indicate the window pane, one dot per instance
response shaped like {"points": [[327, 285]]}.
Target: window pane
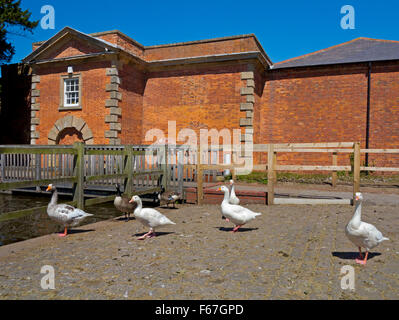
{"points": [[71, 93]]}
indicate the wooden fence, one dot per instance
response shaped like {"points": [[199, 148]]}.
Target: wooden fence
{"points": [[137, 168], [272, 167], [146, 169]]}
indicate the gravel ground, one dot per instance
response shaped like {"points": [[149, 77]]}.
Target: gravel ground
{"points": [[290, 252]]}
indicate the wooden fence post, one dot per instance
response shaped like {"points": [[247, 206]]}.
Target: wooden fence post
{"points": [[200, 190], [164, 166], [38, 169], [274, 167], [270, 175], [78, 186], [334, 173], [2, 165], [128, 170], [356, 170], [233, 173], [180, 166]]}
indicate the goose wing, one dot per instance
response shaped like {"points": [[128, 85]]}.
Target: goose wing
{"points": [[366, 235], [238, 213], [68, 214], [372, 235], [154, 217]]}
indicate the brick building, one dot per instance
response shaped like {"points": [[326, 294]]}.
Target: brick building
{"points": [[106, 88]]}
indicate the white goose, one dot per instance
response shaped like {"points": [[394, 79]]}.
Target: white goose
{"points": [[362, 234], [233, 198], [149, 217], [235, 213], [64, 214]]}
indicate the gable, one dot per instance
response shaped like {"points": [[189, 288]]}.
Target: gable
{"points": [[69, 43], [69, 46]]}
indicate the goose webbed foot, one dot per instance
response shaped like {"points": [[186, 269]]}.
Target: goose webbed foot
{"points": [[63, 234], [364, 261], [236, 228], [149, 234]]}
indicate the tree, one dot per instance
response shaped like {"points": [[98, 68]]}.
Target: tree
{"points": [[12, 16]]}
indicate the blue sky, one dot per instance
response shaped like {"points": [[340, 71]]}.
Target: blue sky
{"points": [[285, 29]]}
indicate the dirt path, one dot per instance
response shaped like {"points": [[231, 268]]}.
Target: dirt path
{"points": [[290, 252]]}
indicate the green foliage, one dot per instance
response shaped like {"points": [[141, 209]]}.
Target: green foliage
{"points": [[11, 16], [344, 177], [228, 177], [255, 176]]}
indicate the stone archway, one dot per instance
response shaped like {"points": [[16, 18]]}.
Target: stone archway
{"points": [[69, 136], [76, 126]]}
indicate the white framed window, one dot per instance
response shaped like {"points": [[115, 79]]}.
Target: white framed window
{"points": [[71, 92]]}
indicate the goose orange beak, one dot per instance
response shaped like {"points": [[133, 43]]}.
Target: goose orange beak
{"points": [[48, 188]]}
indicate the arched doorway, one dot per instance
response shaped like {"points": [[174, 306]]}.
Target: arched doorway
{"points": [[70, 129], [69, 136]]}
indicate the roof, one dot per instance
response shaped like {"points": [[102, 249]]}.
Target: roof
{"points": [[357, 50], [59, 35], [94, 39]]}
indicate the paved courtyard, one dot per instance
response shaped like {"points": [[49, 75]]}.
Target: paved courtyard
{"points": [[290, 252]]}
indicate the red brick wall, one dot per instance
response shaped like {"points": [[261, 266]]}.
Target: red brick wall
{"points": [[200, 98], [384, 112], [132, 89], [93, 98], [314, 105], [123, 42], [329, 104], [201, 49]]}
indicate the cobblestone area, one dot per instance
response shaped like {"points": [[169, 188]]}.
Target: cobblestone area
{"points": [[290, 252]]}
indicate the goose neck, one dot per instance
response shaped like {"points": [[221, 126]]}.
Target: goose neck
{"points": [[118, 191], [54, 198], [226, 196], [139, 206], [357, 214]]}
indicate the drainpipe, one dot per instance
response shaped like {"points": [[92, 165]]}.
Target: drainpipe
{"points": [[368, 113]]}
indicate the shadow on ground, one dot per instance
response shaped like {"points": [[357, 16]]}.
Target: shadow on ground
{"points": [[239, 230], [158, 234], [354, 255], [76, 231]]}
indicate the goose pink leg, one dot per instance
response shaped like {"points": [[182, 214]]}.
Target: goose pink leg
{"points": [[63, 234], [360, 253], [236, 228], [149, 234], [363, 262]]}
